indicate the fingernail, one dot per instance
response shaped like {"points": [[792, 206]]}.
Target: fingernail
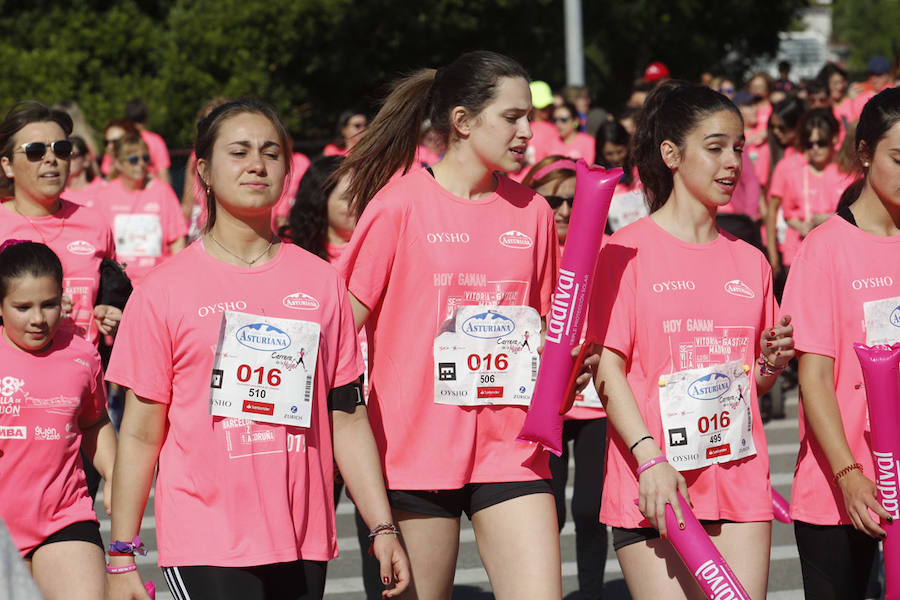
{"points": [[768, 344], [681, 526], [771, 333], [386, 580], [883, 536], [890, 519], [778, 353]]}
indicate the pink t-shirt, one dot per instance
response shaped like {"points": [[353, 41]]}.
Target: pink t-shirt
{"points": [[86, 196], [299, 164], [417, 253], [234, 492], [334, 150], [543, 136], [583, 146], [807, 193], [838, 269], [144, 222], [762, 161], [156, 147], [843, 112], [42, 484], [745, 200], [788, 168], [81, 238], [668, 305]]}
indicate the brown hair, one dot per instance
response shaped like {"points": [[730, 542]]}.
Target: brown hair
{"points": [[555, 176], [20, 115], [208, 131], [389, 144]]}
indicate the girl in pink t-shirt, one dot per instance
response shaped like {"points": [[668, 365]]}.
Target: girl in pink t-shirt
{"points": [[44, 422], [233, 352], [447, 266], [846, 273], [144, 212], [569, 141], [685, 312], [34, 160], [585, 423]]}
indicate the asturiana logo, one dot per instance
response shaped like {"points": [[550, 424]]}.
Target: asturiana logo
{"points": [[886, 476], [300, 301], [709, 387], [262, 336], [895, 317], [738, 288], [81, 247], [488, 325], [516, 240]]}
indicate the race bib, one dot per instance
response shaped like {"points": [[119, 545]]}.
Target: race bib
{"points": [[588, 397], [706, 415], [626, 208], [138, 235], [80, 290], [264, 369], [882, 321], [487, 355]]}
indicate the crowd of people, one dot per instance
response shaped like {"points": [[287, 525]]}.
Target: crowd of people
{"points": [[289, 325]]}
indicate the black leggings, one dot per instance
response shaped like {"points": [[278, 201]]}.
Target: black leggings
{"points": [[297, 580], [590, 533], [835, 559]]}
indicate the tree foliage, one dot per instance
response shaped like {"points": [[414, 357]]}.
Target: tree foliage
{"points": [[314, 58], [868, 27]]}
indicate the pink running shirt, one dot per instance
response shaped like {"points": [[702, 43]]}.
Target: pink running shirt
{"points": [[144, 222], [789, 167], [333, 150], [671, 306], [81, 238], [745, 199], [417, 253], [86, 196], [234, 492], [42, 484], [806, 193], [838, 269], [299, 164], [543, 136], [583, 146]]}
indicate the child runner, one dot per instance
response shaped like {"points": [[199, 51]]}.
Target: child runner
{"points": [[689, 310], [143, 210], [34, 156], [845, 275], [210, 353], [427, 248], [44, 421]]}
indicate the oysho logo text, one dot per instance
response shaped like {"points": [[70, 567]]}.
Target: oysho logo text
{"points": [[673, 286], [872, 282], [447, 238], [220, 307]]}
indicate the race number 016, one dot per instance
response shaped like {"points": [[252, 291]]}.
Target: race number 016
{"points": [[500, 362], [723, 420], [272, 377]]}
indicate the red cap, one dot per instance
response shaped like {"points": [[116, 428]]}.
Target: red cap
{"points": [[656, 71]]}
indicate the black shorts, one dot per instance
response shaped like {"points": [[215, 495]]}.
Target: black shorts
{"points": [[82, 531], [468, 499], [296, 580], [625, 537]]}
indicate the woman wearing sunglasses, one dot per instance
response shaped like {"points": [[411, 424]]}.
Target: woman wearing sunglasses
{"points": [[144, 211], [35, 153], [811, 190], [571, 143]]}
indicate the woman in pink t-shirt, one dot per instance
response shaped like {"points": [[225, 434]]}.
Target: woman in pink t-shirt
{"points": [[242, 367], [452, 267], [686, 317], [585, 424], [350, 126], [143, 210], [34, 156], [44, 422], [569, 141], [846, 274]]}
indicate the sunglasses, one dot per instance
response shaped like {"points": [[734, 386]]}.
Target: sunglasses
{"points": [[556, 201], [35, 151], [561, 119], [817, 144], [134, 159]]}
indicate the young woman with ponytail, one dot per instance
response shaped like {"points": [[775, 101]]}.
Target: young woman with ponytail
{"points": [[845, 268], [427, 246], [685, 315]]}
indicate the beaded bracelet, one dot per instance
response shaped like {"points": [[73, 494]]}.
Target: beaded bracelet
{"points": [[123, 569], [767, 368], [837, 476], [634, 445], [384, 528], [650, 463]]}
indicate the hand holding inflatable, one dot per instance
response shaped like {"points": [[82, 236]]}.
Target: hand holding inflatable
{"points": [[594, 187], [881, 374]]}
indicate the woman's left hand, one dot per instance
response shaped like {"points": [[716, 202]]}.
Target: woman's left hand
{"points": [[777, 343], [107, 318], [395, 570]]}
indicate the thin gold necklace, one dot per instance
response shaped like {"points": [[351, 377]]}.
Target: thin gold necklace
{"points": [[241, 258], [38, 231]]}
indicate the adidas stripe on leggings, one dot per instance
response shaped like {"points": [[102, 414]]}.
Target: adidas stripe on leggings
{"points": [[297, 580]]}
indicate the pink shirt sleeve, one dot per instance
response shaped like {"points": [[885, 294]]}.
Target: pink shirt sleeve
{"points": [[93, 404], [612, 316], [142, 357], [349, 365], [779, 179], [812, 321]]}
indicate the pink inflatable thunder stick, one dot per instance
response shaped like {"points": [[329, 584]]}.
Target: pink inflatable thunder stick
{"points": [[881, 374], [554, 388]]}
